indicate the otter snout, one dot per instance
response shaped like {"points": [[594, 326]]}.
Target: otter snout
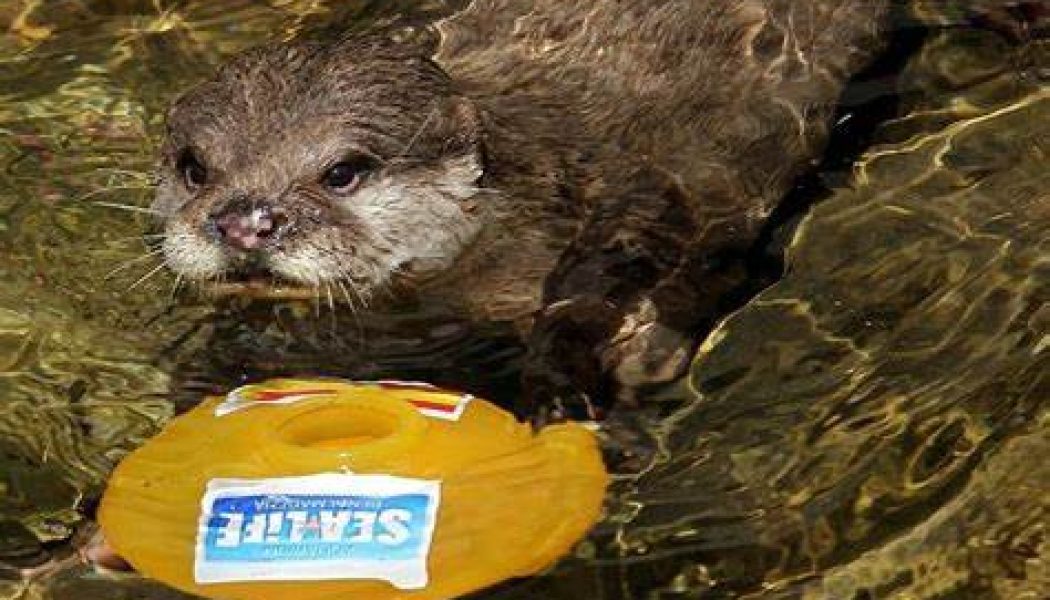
{"points": [[248, 226]]}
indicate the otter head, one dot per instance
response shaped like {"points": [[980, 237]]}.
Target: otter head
{"points": [[317, 165]]}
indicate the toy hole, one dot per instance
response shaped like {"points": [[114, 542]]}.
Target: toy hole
{"points": [[339, 428]]}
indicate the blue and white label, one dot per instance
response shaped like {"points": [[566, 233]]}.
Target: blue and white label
{"points": [[319, 527]]}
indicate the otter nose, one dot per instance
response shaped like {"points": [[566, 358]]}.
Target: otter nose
{"points": [[247, 228]]}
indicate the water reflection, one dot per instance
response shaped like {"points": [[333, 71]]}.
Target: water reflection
{"points": [[870, 426]]}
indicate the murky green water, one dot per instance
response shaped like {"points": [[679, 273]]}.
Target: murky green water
{"points": [[873, 425]]}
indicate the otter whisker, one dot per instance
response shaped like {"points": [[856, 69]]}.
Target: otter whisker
{"points": [[331, 308], [175, 288], [128, 207], [342, 278], [328, 294], [362, 298], [109, 189], [346, 294], [141, 237], [353, 313], [145, 277], [120, 171], [126, 180], [133, 261], [341, 271]]}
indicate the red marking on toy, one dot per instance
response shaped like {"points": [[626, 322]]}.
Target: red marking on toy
{"points": [[438, 406]]}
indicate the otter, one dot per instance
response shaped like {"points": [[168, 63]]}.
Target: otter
{"points": [[592, 172]]}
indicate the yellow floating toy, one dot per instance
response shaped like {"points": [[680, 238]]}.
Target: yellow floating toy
{"points": [[304, 489]]}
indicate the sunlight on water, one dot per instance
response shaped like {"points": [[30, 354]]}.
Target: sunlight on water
{"points": [[873, 425]]}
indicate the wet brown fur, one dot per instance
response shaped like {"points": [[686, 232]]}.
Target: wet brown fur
{"points": [[623, 152]]}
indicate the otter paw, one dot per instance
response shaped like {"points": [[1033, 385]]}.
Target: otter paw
{"points": [[551, 397], [99, 554], [645, 352]]}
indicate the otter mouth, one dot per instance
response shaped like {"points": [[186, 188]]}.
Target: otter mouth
{"points": [[262, 284], [262, 290]]}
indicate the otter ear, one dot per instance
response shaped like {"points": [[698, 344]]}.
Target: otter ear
{"points": [[461, 134]]}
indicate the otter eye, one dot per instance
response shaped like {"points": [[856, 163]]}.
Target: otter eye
{"points": [[346, 175], [194, 174]]}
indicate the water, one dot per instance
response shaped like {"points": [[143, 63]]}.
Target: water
{"points": [[872, 425]]}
